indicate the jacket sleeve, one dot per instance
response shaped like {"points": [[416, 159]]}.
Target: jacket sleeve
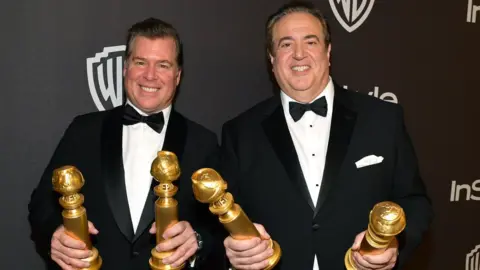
{"points": [[45, 212], [410, 193]]}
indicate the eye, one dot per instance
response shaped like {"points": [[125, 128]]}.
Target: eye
{"points": [[164, 66], [312, 42], [138, 63], [285, 45]]}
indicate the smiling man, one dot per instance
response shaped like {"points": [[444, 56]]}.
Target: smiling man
{"points": [[290, 161], [114, 150]]}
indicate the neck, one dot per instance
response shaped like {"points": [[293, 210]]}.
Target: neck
{"points": [[310, 94]]}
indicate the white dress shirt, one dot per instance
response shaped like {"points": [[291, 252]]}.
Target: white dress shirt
{"points": [[140, 145], [310, 137]]}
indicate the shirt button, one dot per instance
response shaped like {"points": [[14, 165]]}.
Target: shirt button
{"points": [[135, 253], [315, 226]]}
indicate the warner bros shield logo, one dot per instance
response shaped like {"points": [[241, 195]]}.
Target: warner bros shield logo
{"points": [[351, 13], [105, 78], [472, 261]]}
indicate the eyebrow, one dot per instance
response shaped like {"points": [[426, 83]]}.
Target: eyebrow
{"points": [[144, 59], [304, 38]]}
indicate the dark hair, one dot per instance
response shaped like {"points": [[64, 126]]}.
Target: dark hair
{"points": [[293, 7], [154, 28]]}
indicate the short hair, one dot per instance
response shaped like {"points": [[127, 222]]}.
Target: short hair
{"points": [[294, 7], [154, 28]]}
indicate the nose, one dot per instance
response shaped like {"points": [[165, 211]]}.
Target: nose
{"points": [[299, 52], [151, 73]]}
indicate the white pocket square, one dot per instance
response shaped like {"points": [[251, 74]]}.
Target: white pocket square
{"points": [[368, 160]]}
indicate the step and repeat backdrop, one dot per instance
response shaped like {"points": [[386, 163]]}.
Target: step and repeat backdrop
{"points": [[64, 58]]}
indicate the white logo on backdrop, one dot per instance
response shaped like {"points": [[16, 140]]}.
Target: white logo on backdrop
{"points": [[105, 78], [472, 261], [472, 12], [386, 96], [460, 192], [351, 14]]}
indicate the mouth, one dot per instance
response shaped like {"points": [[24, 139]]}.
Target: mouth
{"points": [[300, 68], [150, 89]]}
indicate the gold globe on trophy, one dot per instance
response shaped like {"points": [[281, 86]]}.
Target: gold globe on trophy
{"points": [[387, 219], [165, 169], [209, 187], [68, 181]]}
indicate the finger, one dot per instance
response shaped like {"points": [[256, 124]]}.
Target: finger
{"points": [[176, 229], [186, 256], [91, 228], [70, 242], [258, 258], [253, 251], [176, 241], [181, 251], [241, 245], [262, 231], [357, 265], [358, 240], [381, 259], [62, 265], [360, 261], [72, 262], [153, 229], [256, 266], [70, 252]]}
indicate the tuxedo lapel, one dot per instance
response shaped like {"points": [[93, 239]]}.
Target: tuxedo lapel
{"points": [[343, 121], [175, 140], [276, 130], [113, 173]]}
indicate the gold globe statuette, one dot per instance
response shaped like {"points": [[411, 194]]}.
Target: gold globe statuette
{"points": [[165, 169], [209, 187], [68, 181], [387, 219]]}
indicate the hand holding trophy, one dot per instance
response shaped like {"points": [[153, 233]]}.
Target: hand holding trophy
{"points": [[68, 181], [387, 219], [165, 169], [209, 187]]}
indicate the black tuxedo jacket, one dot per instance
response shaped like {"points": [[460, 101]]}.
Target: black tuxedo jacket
{"points": [[93, 143], [261, 166]]}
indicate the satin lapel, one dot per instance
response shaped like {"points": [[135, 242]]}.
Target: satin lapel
{"points": [[175, 140], [276, 130], [113, 173], [343, 122]]}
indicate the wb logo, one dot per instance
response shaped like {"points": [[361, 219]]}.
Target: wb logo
{"points": [[351, 14], [472, 261], [105, 80]]}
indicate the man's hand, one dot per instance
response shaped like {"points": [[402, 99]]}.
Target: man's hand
{"points": [[250, 254], [383, 261], [180, 236], [68, 252]]}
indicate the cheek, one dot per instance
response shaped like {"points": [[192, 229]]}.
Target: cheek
{"points": [[132, 75], [282, 64]]}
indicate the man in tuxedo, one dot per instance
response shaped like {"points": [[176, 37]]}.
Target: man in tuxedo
{"points": [[290, 161], [114, 150]]}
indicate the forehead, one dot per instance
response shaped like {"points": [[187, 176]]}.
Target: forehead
{"points": [[297, 23], [154, 47]]}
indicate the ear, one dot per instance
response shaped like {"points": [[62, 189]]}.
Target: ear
{"points": [[272, 59], [179, 75], [329, 49], [124, 67]]}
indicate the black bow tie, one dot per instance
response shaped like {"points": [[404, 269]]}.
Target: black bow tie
{"points": [[131, 116], [319, 107]]}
